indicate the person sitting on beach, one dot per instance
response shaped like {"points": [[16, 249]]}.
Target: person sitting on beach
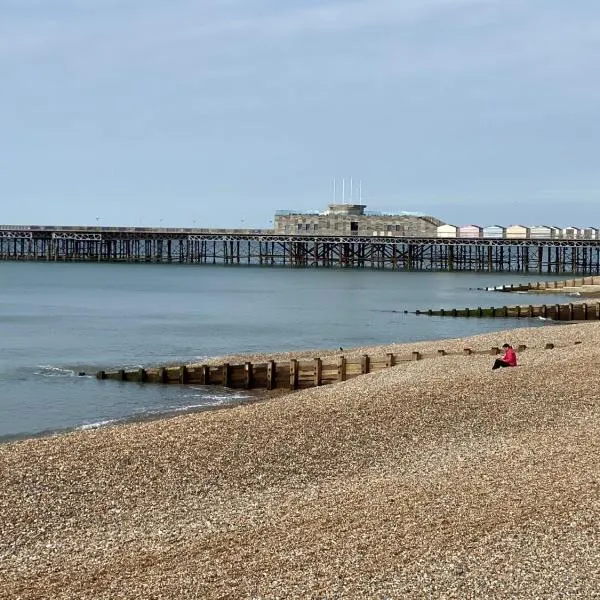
{"points": [[508, 360]]}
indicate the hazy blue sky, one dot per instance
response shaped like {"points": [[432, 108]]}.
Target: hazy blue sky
{"points": [[219, 112]]}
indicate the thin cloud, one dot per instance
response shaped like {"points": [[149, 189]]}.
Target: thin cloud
{"points": [[189, 22]]}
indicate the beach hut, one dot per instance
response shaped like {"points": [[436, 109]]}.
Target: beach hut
{"points": [[494, 231], [556, 232], [447, 231], [571, 233], [517, 232], [590, 233], [540, 232], [470, 231]]}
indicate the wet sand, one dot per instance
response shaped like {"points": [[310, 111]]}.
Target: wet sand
{"points": [[437, 478]]}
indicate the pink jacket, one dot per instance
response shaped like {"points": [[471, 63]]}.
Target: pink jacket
{"points": [[510, 357]]}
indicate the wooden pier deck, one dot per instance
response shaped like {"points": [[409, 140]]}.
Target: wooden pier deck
{"points": [[266, 248]]}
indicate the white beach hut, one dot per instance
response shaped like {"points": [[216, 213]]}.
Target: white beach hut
{"points": [[447, 231], [556, 232], [571, 233], [540, 232], [470, 231], [494, 231], [517, 232], [590, 233]]}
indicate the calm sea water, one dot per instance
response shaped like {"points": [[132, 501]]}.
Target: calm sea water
{"points": [[57, 320]]}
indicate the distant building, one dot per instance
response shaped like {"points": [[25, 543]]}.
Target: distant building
{"points": [[517, 231], [352, 219], [470, 231], [590, 233], [541, 232], [494, 231], [446, 230], [572, 233]]}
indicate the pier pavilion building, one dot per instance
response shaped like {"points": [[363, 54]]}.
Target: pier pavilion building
{"points": [[353, 219]]}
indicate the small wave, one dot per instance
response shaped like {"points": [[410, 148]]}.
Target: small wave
{"points": [[215, 395], [193, 407], [50, 371], [154, 413], [97, 425]]}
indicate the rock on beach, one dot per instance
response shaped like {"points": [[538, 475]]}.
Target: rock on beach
{"points": [[432, 479]]}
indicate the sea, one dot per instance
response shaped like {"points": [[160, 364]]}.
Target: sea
{"points": [[60, 323]]}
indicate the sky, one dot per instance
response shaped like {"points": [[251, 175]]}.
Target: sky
{"points": [[217, 113]]}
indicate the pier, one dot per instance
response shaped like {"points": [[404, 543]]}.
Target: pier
{"points": [[265, 247]]}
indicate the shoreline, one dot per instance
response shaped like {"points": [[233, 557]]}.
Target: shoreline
{"points": [[264, 395], [254, 396], [433, 478]]}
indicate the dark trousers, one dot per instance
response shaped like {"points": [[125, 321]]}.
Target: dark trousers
{"points": [[500, 363]]}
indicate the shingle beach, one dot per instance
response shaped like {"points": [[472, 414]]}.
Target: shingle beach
{"points": [[433, 479]]}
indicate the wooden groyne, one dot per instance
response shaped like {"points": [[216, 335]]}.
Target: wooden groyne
{"points": [[547, 286], [556, 312], [293, 374], [290, 375]]}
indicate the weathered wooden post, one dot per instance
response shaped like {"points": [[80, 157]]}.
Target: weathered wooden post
{"points": [[390, 359], [205, 375], [271, 375], [142, 374], [249, 376], [226, 375], [318, 372], [416, 356], [365, 364], [293, 374], [341, 368], [122, 375], [467, 351], [183, 374], [441, 352], [162, 375]]}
